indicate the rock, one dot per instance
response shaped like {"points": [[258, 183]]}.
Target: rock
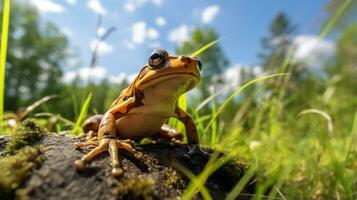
{"points": [[154, 176]]}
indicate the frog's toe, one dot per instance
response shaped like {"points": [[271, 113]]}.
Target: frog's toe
{"points": [[117, 171], [79, 164], [87, 143], [77, 145], [138, 155]]}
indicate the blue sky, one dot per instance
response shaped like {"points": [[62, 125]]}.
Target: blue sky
{"points": [[166, 23]]}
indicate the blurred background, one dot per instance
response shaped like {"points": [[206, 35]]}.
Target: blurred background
{"points": [[70, 48]]}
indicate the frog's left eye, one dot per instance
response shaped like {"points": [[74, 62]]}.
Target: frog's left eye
{"points": [[157, 58]]}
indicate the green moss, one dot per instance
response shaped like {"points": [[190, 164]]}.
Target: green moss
{"points": [[15, 168], [136, 188], [172, 178], [27, 133]]}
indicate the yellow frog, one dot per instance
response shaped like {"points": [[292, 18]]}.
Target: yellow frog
{"points": [[142, 108]]}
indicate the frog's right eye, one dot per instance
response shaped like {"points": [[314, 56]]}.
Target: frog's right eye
{"points": [[157, 58]]}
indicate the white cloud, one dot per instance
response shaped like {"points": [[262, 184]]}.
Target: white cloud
{"points": [[101, 30], [179, 34], [71, 2], [96, 6], [129, 7], [152, 33], [72, 62], [68, 32], [157, 2], [154, 44], [47, 6], [68, 77], [128, 44], [313, 50], [102, 47], [141, 34], [96, 73], [118, 78], [132, 5], [131, 77], [232, 76], [121, 77], [160, 21], [209, 13], [138, 32]]}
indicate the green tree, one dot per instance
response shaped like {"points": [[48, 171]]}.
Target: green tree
{"points": [[277, 44], [213, 59], [36, 51], [346, 58]]}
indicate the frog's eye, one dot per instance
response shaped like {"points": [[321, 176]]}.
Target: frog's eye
{"points": [[157, 58]]}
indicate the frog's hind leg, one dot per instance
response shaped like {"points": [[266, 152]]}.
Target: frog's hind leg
{"points": [[167, 133]]}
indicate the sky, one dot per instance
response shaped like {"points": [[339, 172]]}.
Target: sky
{"points": [[142, 25]]}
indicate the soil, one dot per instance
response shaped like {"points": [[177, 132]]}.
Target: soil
{"points": [[157, 175]]}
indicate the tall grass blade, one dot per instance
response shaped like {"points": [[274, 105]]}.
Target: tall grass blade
{"points": [[82, 115], [33, 106], [214, 95], [326, 143], [212, 165], [322, 114], [3, 51], [193, 178], [334, 18], [353, 133], [182, 102], [214, 124], [237, 189], [204, 48], [237, 92]]}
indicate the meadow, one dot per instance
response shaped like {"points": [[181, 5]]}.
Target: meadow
{"points": [[295, 129]]}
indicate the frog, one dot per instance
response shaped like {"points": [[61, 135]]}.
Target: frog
{"points": [[141, 110]]}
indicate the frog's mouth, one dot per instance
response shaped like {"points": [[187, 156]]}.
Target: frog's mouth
{"points": [[168, 76]]}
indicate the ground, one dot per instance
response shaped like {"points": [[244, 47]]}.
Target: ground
{"points": [[153, 177]]}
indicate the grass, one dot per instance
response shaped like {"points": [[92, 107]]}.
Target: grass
{"points": [[82, 116], [295, 154], [3, 50], [295, 159]]}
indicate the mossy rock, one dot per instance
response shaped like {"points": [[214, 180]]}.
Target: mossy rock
{"points": [[154, 176], [19, 157], [27, 133]]}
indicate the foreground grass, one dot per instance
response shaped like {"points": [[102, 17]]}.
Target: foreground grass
{"points": [[293, 156]]}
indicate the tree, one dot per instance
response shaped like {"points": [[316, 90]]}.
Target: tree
{"points": [[277, 44], [35, 53], [213, 59], [346, 59]]}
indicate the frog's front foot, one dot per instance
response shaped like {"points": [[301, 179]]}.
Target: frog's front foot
{"points": [[196, 149], [112, 146]]}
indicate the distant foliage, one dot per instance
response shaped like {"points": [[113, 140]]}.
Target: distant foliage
{"points": [[36, 52], [276, 45]]}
